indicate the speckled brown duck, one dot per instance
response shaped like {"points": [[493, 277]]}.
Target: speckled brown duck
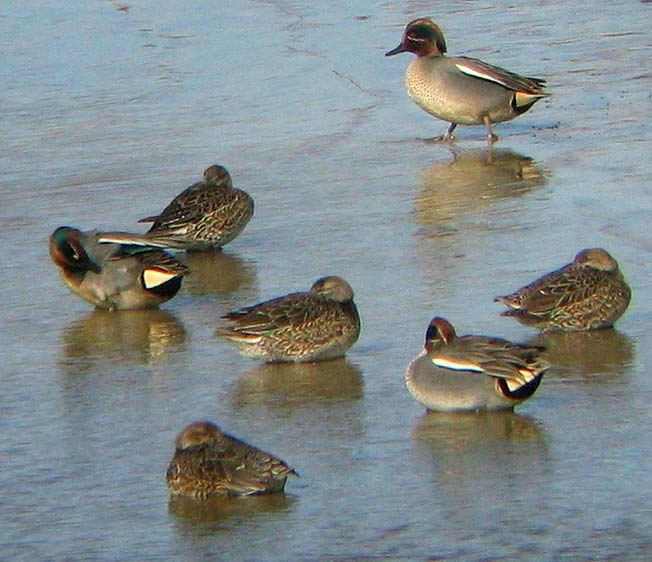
{"points": [[115, 276], [208, 462], [463, 373], [587, 294], [205, 216], [462, 90], [319, 324]]}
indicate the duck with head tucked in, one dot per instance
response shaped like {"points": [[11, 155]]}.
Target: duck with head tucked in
{"points": [[464, 373], [462, 90], [316, 325], [587, 294], [208, 462], [115, 276], [206, 216]]}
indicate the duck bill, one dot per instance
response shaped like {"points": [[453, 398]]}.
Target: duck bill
{"points": [[396, 51]]}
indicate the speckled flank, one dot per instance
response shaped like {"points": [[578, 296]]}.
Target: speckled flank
{"points": [[320, 324], [587, 294], [462, 90], [207, 215], [443, 92], [208, 462]]}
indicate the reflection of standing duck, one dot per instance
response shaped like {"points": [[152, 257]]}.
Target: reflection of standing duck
{"points": [[472, 180], [586, 294]]}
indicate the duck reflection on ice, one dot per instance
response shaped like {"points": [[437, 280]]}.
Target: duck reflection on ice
{"points": [[481, 457], [299, 383], [602, 355], [138, 336], [217, 273], [222, 508], [473, 180], [466, 430]]}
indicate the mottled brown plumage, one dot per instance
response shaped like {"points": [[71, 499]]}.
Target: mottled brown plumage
{"points": [[208, 462], [587, 294], [207, 215], [322, 323]]}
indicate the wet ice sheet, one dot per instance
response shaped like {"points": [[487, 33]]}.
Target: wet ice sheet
{"points": [[311, 119]]}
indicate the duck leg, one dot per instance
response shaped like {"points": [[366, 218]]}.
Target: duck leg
{"points": [[446, 137], [491, 138]]}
